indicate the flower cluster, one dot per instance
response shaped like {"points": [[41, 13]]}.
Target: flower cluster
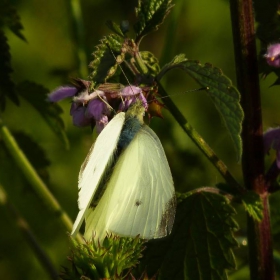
{"points": [[272, 55], [89, 108], [112, 259]]}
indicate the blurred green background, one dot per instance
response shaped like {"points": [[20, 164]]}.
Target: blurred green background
{"points": [[200, 29]]}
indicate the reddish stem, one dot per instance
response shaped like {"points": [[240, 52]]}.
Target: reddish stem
{"points": [[259, 233]]}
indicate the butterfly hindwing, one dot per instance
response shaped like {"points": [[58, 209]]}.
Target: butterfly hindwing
{"points": [[140, 196]]}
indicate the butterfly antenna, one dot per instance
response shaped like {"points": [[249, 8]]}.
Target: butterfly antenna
{"points": [[103, 100], [192, 90], [121, 70]]}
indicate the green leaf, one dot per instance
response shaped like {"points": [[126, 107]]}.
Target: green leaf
{"points": [[115, 28], [36, 95], [224, 95], [107, 56], [151, 62], [227, 189], [253, 205], [150, 14], [202, 239], [7, 87], [274, 202], [10, 18]]}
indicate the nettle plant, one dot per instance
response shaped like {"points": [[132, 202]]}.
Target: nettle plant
{"points": [[202, 240]]}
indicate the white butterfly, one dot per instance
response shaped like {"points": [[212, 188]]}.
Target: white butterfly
{"points": [[125, 183]]}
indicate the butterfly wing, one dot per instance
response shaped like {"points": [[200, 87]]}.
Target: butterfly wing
{"points": [[94, 166], [140, 196]]}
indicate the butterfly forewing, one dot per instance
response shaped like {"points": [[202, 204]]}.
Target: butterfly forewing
{"points": [[94, 166]]}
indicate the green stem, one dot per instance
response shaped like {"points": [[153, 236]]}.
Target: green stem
{"points": [[29, 236], [259, 233], [199, 141], [170, 36], [33, 178], [80, 37]]}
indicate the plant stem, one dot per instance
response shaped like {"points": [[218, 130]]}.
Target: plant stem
{"points": [[80, 37], [199, 141], [259, 233], [170, 36], [33, 178], [29, 236]]}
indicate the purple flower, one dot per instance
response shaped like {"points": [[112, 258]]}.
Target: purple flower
{"points": [[84, 97], [81, 100], [130, 94], [98, 110], [272, 141], [78, 114], [61, 93], [273, 55], [90, 108]]}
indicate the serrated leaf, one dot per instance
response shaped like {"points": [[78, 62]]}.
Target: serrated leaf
{"points": [[150, 14], [36, 95], [10, 18], [104, 64], [7, 87], [151, 62], [202, 239], [114, 27], [198, 213], [274, 201], [223, 94], [253, 205]]}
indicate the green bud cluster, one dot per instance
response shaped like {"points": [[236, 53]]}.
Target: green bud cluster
{"points": [[113, 259]]}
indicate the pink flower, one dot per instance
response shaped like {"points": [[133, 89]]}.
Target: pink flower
{"points": [[272, 141], [89, 108], [130, 94], [61, 93], [272, 55]]}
